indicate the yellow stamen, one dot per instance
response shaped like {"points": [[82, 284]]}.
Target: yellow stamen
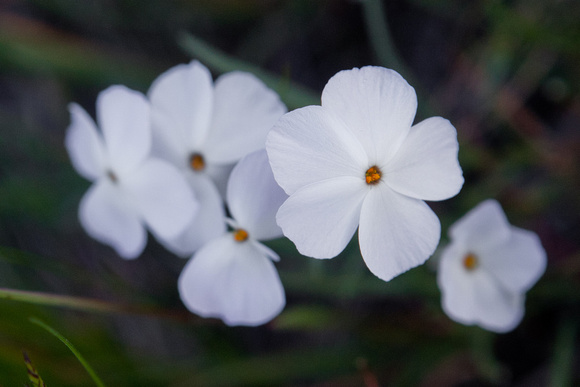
{"points": [[470, 261], [240, 235], [196, 162], [373, 175], [112, 176]]}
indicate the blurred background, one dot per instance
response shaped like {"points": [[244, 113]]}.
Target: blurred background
{"points": [[505, 73]]}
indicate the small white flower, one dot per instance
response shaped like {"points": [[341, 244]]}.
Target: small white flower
{"points": [[487, 268], [204, 129], [232, 277], [356, 161], [129, 189]]}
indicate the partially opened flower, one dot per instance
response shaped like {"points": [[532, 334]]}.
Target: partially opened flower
{"points": [[487, 268], [204, 129], [130, 190], [357, 161], [232, 277]]}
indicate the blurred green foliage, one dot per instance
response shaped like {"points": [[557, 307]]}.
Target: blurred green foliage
{"points": [[507, 75]]}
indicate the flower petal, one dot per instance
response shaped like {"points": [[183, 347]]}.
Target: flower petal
{"points": [[181, 109], [517, 263], [84, 144], [244, 112], [482, 228], [219, 174], [396, 232], [233, 281], [107, 216], [426, 166], [311, 144], [123, 116], [162, 197], [254, 197], [207, 224], [376, 104], [322, 217]]}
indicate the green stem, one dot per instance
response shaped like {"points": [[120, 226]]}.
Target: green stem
{"points": [[562, 364], [293, 94], [72, 348], [91, 305]]}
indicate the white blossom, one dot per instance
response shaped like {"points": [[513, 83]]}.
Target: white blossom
{"points": [[487, 268], [130, 189], [204, 129], [357, 161], [232, 277]]}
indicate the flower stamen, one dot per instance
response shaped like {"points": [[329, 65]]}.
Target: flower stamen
{"points": [[373, 175], [196, 162], [470, 262], [240, 235], [111, 175]]}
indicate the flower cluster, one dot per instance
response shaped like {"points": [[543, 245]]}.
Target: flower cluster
{"points": [[211, 169]]}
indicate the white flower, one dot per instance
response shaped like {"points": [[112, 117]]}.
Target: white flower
{"points": [[129, 189], [204, 129], [487, 268], [356, 161], [232, 277]]}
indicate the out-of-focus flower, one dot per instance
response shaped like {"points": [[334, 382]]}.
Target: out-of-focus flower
{"points": [[487, 268], [232, 277], [357, 161], [204, 129], [129, 189]]}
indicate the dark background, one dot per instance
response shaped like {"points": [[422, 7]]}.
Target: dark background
{"points": [[505, 73]]}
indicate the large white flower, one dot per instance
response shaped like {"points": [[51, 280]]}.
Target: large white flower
{"points": [[487, 268], [204, 129], [232, 277], [129, 189], [356, 161]]}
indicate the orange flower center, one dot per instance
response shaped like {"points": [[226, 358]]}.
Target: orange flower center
{"points": [[112, 176], [373, 175], [470, 262], [240, 235], [196, 162]]}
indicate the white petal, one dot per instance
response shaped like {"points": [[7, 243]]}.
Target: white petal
{"points": [[182, 104], [396, 232], [254, 197], [162, 197], [244, 111], [84, 144], [233, 281], [321, 218], [124, 118], [426, 166], [474, 297], [107, 216], [207, 224], [311, 144], [517, 263], [377, 104], [219, 174], [484, 227]]}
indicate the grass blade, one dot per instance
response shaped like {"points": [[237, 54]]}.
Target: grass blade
{"points": [[72, 348]]}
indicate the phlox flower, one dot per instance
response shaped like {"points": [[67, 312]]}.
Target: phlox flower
{"points": [[487, 268], [357, 161], [130, 189], [232, 277], [204, 129]]}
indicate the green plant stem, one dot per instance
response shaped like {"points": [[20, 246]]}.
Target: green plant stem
{"points": [[72, 348], [562, 363], [293, 94]]}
